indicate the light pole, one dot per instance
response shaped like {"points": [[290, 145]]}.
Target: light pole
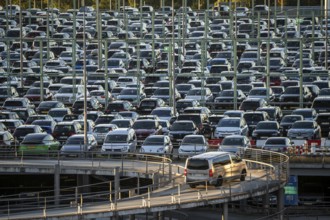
{"points": [[85, 83]]}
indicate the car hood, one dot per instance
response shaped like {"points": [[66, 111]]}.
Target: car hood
{"points": [[152, 148], [227, 129], [192, 147], [73, 147], [114, 145]]}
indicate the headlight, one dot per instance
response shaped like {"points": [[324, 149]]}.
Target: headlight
{"points": [[237, 132], [142, 150], [124, 149], [159, 150]]}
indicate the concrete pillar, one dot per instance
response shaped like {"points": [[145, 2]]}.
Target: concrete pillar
{"points": [[160, 215], [82, 182], [57, 184], [242, 205], [155, 180], [265, 203], [280, 203], [225, 211], [117, 182]]}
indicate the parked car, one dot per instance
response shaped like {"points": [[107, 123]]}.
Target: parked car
{"points": [[63, 130], [39, 143], [278, 144], [101, 130], [157, 145], [121, 140], [230, 126], [75, 145], [192, 145], [304, 129], [235, 143]]}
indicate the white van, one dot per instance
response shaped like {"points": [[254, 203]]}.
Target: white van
{"points": [[214, 168], [121, 140]]}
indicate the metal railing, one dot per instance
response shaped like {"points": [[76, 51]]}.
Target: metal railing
{"points": [[274, 174]]}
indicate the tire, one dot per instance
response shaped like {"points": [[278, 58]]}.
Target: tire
{"points": [[243, 175], [192, 185], [219, 181]]}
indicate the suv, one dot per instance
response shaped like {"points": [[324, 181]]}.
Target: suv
{"points": [[63, 130], [120, 140], [213, 168]]}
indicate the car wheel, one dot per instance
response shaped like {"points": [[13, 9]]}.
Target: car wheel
{"points": [[192, 185], [243, 175], [219, 181]]}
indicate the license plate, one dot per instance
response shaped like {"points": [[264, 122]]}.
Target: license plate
{"points": [[30, 147], [44, 112], [325, 123], [178, 139], [63, 136]]}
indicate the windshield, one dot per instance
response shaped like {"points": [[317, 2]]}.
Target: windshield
{"points": [[233, 141], [192, 141], [154, 141], [303, 125], [76, 140], [182, 127], [229, 123], [116, 138], [276, 141], [144, 125]]}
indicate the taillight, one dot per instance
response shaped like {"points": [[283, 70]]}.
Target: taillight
{"points": [[71, 133], [185, 172], [210, 173], [102, 96]]}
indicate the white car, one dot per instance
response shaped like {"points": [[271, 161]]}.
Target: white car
{"points": [[101, 130], [157, 144], [192, 145], [69, 94], [230, 126]]}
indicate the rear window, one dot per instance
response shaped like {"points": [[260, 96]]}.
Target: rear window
{"points": [[197, 164]]}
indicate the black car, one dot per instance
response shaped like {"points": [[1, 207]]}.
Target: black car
{"points": [[265, 129], [253, 118], [118, 106], [291, 96], [179, 129], [45, 106], [106, 119], [225, 100], [63, 130], [274, 112], [92, 105], [148, 104]]}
